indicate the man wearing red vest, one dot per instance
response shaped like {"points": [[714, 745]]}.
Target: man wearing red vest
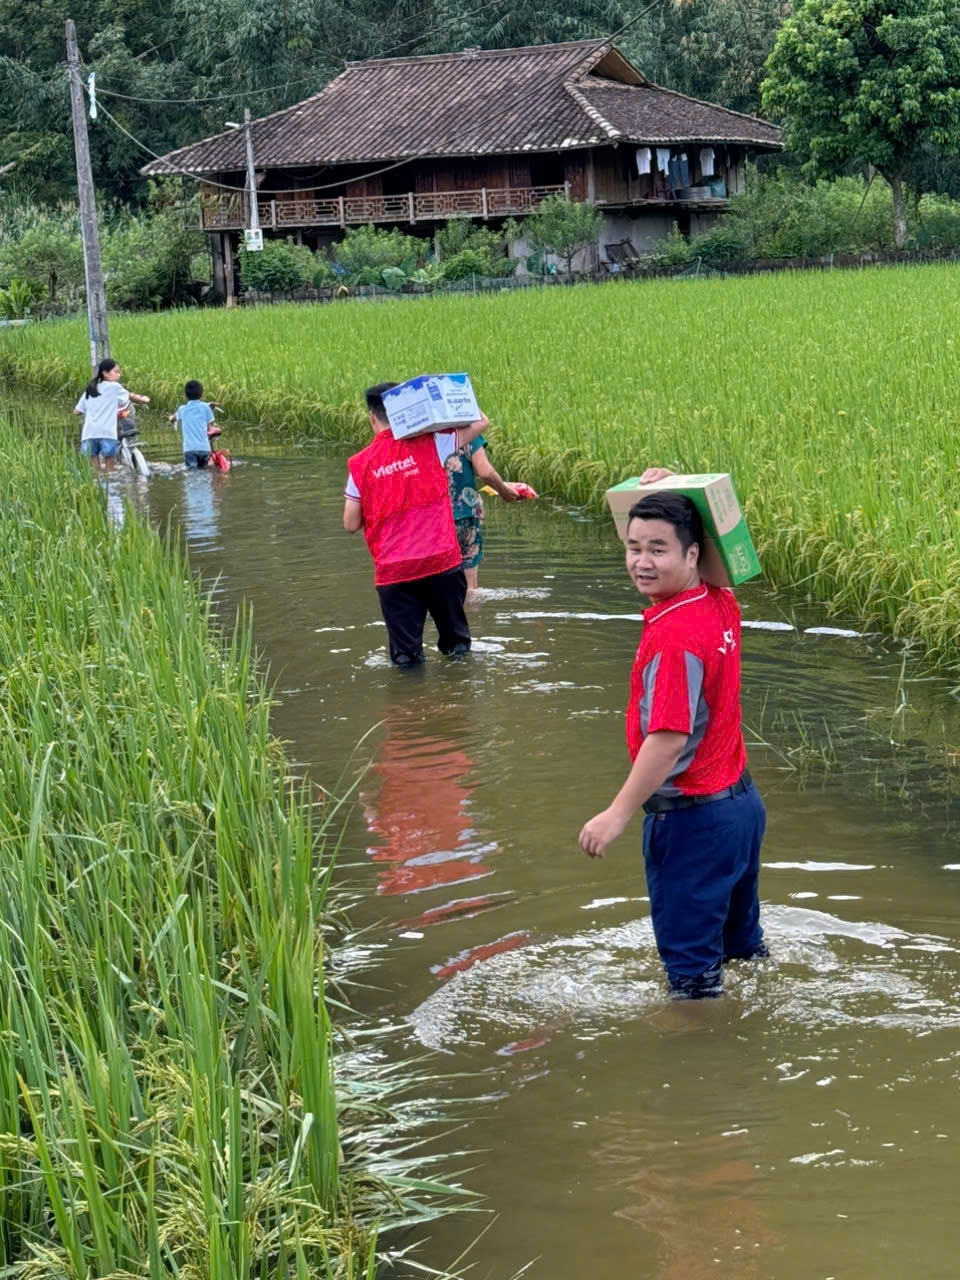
{"points": [[398, 493], [705, 819]]}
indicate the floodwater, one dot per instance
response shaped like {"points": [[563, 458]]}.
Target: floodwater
{"points": [[806, 1125]]}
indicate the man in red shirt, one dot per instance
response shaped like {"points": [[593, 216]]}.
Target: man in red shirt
{"points": [[705, 819], [398, 494]]}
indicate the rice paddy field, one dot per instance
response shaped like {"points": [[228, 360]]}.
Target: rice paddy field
{"points": [[832, 399], [174, 1100]]}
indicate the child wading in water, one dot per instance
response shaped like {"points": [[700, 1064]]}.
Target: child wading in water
{"points": [[194, 417], [104, 399]]}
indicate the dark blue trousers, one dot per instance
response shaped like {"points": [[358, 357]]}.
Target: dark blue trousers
{"points": [[703, 868]]}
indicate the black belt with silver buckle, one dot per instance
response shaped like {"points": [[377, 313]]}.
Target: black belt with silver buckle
{"points": [[664, 804]]}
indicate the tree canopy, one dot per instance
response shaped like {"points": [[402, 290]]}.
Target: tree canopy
{"points": [[868, 82], [214, 56], [174, 72]]}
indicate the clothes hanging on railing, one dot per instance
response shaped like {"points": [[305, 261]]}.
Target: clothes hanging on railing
{"points": [[707, 159], [643, 159], [663, 159]]}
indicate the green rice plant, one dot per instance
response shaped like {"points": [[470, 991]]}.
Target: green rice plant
{"points": [[170, 1102], [830, 397]]}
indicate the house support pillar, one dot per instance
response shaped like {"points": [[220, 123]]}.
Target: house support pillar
{"points": [[594, 251], [219, 267], [229, 295]]}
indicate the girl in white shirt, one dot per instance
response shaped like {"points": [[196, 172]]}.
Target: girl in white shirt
{"points": [[100, 404]]}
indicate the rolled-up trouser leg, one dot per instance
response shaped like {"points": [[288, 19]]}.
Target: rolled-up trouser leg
{"points": [[698, 861]]}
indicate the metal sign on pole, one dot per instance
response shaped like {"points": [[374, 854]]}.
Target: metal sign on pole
{"points": [[253, 236], [92, 267]]}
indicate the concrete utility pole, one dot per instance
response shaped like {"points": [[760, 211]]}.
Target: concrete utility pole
{"points": [[253, 219], [92, 268]]}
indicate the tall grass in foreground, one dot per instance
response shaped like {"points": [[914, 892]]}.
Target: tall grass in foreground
{"points": [[167, 1095], [831, 398]]}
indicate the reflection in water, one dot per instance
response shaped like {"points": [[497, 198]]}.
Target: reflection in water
{"points": [[420, 809], [202, 496], [463, 908], [698, 1196], [483, 951], [121, 487]]}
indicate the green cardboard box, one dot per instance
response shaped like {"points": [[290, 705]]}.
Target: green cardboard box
{"points": [[729, 557]]}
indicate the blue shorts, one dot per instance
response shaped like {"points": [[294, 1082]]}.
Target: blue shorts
{"points": [[703, 867], [100, 448], [194, 459]]}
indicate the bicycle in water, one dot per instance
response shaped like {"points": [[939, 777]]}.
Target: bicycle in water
{"points": [[129, 452]]}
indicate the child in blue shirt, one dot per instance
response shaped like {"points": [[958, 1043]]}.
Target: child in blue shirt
{"points": [[194, 418]]}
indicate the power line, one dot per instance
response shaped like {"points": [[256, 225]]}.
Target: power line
{"points": [[215, 97], [627, 25], [277, 88], [224, 186], [438, 30]]}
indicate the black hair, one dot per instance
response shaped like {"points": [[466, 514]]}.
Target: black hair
{"points": [[675, 509], [193, 390], [374, 398], [93, 386]]}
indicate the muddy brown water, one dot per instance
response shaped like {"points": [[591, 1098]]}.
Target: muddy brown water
{"points": [[803, 1126]]}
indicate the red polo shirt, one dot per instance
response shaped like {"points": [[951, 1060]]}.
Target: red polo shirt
{"points": [[686, 679]]}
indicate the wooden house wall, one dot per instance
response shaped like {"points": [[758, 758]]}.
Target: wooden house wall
{"points": [[616, 180], [605, 174], [467, 173]]}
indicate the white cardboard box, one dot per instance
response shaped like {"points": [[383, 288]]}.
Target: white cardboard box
{"points": [[431, 402]]}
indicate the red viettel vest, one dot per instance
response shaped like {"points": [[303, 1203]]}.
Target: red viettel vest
{"points": [[407, 513], [695, 634]]}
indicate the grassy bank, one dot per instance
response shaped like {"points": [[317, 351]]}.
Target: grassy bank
{"points": [[168, 1104], [831, 398]]}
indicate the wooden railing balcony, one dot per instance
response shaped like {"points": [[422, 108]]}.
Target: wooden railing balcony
{"points": [[228, 212]]}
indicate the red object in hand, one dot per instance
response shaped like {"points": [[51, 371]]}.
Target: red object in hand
{"points": [[213, 431], [525, 490]]}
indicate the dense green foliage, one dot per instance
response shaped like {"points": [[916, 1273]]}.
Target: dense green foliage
{"points": [[563, 227], [782, 216], [189, 65], [868, 83], [831, 398], [383, 256], [150, 259], [466, 249], [365, 251], [279, 267], [168, 1103]]}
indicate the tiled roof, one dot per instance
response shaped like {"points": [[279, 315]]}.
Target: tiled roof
{"points": [[479, 102], [652, 114]]}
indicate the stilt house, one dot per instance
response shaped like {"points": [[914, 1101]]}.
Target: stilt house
{"points": [[483, 134]]}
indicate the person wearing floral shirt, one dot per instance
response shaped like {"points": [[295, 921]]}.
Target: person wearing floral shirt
{"points": [[469, 468]]}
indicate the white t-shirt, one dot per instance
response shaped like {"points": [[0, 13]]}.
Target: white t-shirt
{"points": [[100, 411], [446, 442]]}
